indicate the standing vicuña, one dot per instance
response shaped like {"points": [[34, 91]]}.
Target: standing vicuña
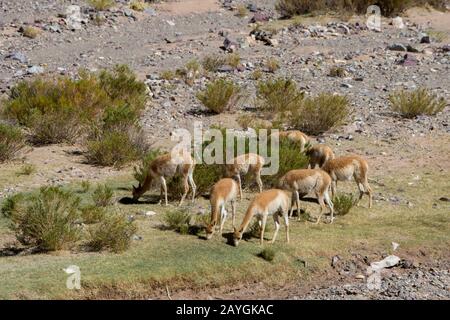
{"points": [[223, 192], [319, 155], [294, 136], [273, 201], [344, 168], [243, 164], [166, 166], [303, 181]]}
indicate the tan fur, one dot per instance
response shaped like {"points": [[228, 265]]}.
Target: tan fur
{"points": [[344, 168], [295, 136], [223, 192], [271, 202], [303, 181], [243, 164], [319, 155], [166, 166]]}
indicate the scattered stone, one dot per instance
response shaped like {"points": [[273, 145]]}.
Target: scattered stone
{"points": [[149, 213], [395, 245], [229, 45], [260, 17], [388, 262], [73, 17], [18, 56], [397, 22], [408, 60], [35, 70], [397, 47], [150, 11]]}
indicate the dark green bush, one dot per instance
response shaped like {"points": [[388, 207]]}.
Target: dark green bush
{"points": [[113, 232], [319, 114], [177, 220], [343, 203], [278, 96], [220, 95], [48, 220], [11, 142], [267, 254], [417, 102]]}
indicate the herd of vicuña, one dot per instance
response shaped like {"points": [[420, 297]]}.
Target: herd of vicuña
{"points": [[320, 179]]}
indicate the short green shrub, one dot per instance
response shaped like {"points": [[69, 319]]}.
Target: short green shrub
{"points": [[319, 114], [101, 5], [113, 232], [190, 72], [177, 220], [103, 196], [212, 63], [11, 142], [113, 149], [85, 186], [64, 109], [267, 254], [278, 96], [257, 74], [92, 214], [338, 72], [417, 102], [26, 170], [31, 32], [48, 220], [343, 203], [220, 95], [272, 65], [233, 59], [167, 75]]}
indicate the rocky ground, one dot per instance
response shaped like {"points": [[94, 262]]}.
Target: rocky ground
{"points": [[168, 35]]}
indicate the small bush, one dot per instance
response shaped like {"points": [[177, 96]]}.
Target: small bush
{"points": [[101, 5], [167, 75], [177, 220], [272, 65], [319, 114], [267, 254], [103, 196], [338, 72], [242, 10], [113, 149], [47, 220], [92, 214], [417, 102], [11, 142], [31, 32], [343, 203], [113, 232], [190, 72], [220, 95], [257, 74], [26, 170], [213, 62], [234, 60], [137, 5], [278, 96]]}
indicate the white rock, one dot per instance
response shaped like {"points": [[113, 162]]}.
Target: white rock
{"points": [[73, 19], [387, 262], [397, 22], [149, 213]]}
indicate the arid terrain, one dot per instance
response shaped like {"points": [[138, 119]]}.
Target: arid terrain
{"points": [[408, 158]]}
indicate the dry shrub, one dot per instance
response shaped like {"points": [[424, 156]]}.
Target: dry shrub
{"points": [[220, 95], [11, 142], [417, 102]]}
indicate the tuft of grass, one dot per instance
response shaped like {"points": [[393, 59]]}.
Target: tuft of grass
{"points": [[177, 220], [241, 10], [11, 142], [31, 32], [212, 63], [417, 102], [113, 232], [26, 170], [267, 254], [47, 220], [343, 203], [85, 186], [167, 75], [338, 72], [320, 114], [138, 5], [257, 75], [233, 59], [278, 95], [250, 121], [436, 35], [220, 95], [272, 65], [103, 196], [92, 214], [101, 5], [190, 72]]}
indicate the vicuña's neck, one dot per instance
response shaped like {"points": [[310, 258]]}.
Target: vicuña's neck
{"points": [[247, 218]]}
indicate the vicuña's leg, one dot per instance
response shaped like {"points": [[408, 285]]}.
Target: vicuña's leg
{"points": [[223, 217], [286, 223], [333, 188], [259, 181], [277, 226], [186, 189], [164, 187], [238, 176], [368, 191], [233, 211], [193, 185], [297, 200], [263, 228], [330, 204], [322, 206]]}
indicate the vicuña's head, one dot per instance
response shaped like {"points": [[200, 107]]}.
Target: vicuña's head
{"points": [[209, 231], [237, 236], [137, 192]]}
